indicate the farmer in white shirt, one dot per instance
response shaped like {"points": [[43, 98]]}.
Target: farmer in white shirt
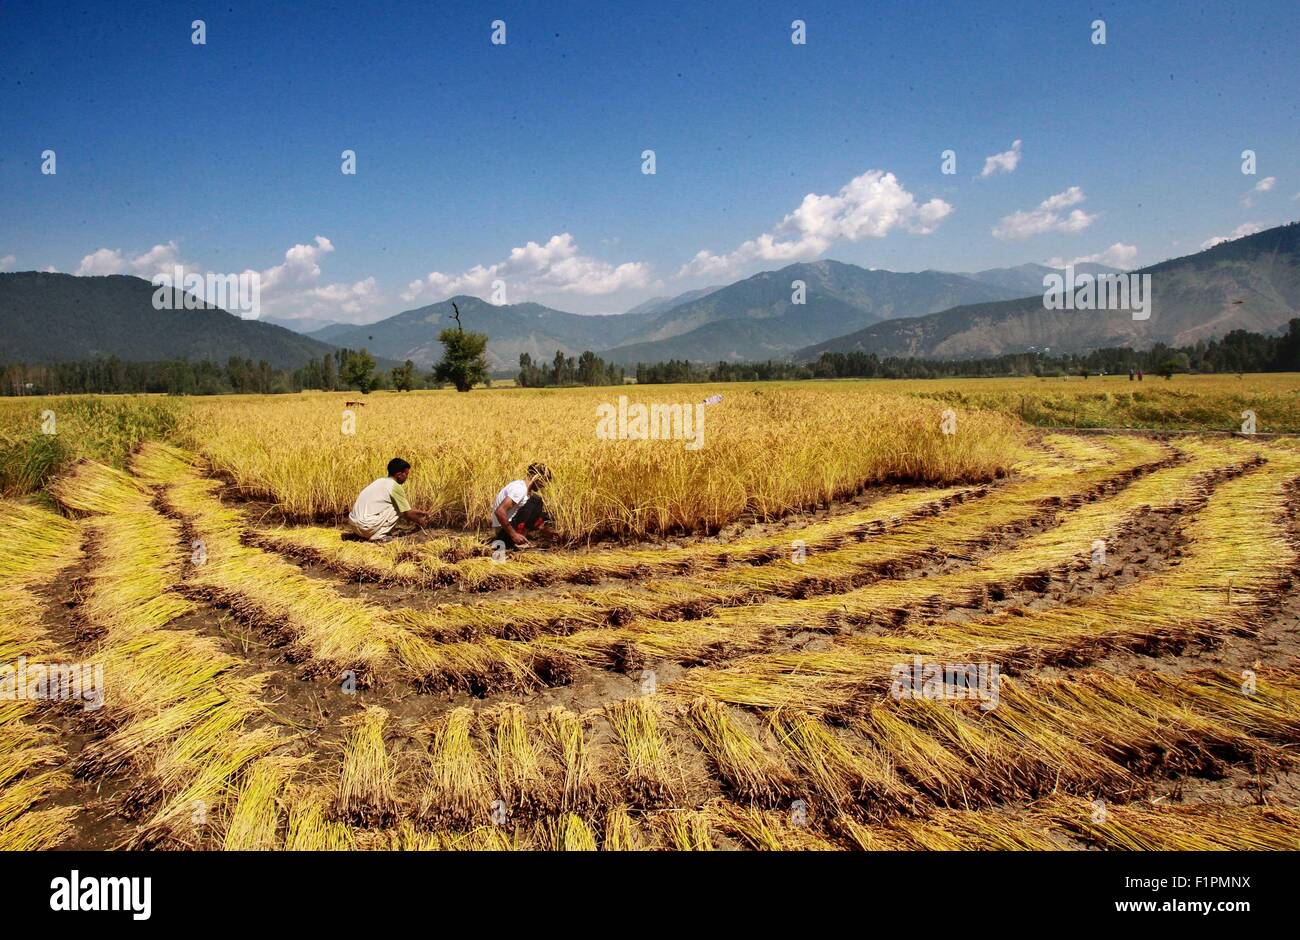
{"points": [[518, 507], [383, 504]]}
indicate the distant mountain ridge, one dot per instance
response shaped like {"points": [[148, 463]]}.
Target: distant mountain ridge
{"points": [[512, 329], [1026, 279], [303, 326], [757, 318], [754, 318], [660, 304], [47, 318], [1251, 283]]}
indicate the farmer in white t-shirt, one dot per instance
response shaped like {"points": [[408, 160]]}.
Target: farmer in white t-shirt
{"points": [[518, 507], [383, 504]]}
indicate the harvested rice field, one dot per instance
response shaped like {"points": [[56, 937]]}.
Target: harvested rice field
{"points": [[851, 620]]}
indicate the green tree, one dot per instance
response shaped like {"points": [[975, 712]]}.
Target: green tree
{"points": [[180, 378], [404, 376], [359, 371], [1287, 357], [464, 360], [591, 370]]}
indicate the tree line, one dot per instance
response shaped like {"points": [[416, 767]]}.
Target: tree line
{"points": [[587, 369], [464, 365], [1237, 351], [343, 369]]}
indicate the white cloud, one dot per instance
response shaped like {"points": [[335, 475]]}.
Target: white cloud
{"points": [[533, 269], [1047, 217], [158, 259], [289, 289], [7, 262], [301, 267], [1117, 255], [1242, 230], [868, 206], [1004, 162], [353, 299], [293, 289], [102, 261], [1263, 186]]}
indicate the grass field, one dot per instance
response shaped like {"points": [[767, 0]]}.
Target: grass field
{"points": [[834, 626], [1182, 403]]}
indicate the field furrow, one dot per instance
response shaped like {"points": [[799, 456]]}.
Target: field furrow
{"points": [[38, 546], [746, 627], [1019, 663], [1239, 555]]}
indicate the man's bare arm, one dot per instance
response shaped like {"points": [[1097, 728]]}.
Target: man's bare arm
{"points": [[503, 517]]}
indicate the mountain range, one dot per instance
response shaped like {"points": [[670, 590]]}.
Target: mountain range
{"points": [[303, 325], [752, 319], [47, 318], [512, 329], [1026, 279], [758, 317], [1250, 283]]}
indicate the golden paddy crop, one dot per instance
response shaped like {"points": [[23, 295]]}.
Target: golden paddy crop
{"points": [[268, 686], [766, 450]]}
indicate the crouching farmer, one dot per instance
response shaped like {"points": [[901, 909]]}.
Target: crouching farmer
{"points": [[383, 504], [518, 508]]}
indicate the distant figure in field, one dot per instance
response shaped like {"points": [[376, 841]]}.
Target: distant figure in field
{"points": [[1139, 375], [518, 507], [383, 504]]}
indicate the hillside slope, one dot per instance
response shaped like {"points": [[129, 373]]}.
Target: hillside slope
{"points": [[1252, 283], [762, 321], [46, 318]]}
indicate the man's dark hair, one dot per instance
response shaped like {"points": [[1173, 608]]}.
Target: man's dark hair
{"points": [[540, 471], [397, 465]]}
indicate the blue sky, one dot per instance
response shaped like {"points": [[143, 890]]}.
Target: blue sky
{"points": [[522, 162]]}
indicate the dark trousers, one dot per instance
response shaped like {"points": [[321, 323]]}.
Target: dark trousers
{"points": [[527, 517]]}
